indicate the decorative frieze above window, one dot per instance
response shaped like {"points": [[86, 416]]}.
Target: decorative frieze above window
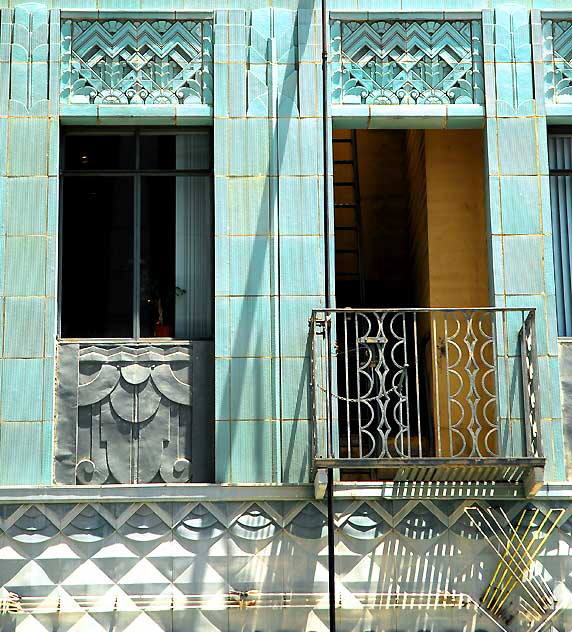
{"points": [[558, 60], [136, 61], [407, 62], [125, 413]]}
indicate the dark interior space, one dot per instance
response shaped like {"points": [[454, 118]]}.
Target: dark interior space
{"points": [[106, 218], [97, 257], [157, 311], [409, 234], [371, 189]]}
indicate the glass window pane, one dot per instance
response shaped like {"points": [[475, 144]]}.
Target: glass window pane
{"points": [[97, 257], [95, 152], [157, 314], [191, 150], [176, 256], [157, 151]]}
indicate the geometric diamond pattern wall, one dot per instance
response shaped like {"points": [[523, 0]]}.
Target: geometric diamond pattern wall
{"points": [[250, 566]]}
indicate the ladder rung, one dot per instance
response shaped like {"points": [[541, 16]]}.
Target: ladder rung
{"points": [[354, 228], [345, 205], [353, 275], [346, 251], [342, 140], [343, 162], [344, 184]]}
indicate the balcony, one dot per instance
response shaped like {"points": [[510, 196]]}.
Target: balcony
{"points": [[427, 395]]}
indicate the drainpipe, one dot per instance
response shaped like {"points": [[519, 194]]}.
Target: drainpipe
{"points": [[328, 303], [331, 559], [326, 153]]}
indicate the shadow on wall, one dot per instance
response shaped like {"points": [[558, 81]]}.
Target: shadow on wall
{"points": [[253, 384], [200, 555]]}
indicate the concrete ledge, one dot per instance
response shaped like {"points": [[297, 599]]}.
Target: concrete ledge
{"points": [[558, 114], [175, 492], [91, 114], [407, 116], [205, 492]]}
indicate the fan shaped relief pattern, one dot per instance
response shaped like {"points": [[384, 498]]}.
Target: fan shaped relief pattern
{"points": [[407, 62], [130, 413], [136, 62], [558, 60]]}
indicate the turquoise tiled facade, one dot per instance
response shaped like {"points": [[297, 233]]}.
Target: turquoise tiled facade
{"points": [[258, 85], [253, 73]]}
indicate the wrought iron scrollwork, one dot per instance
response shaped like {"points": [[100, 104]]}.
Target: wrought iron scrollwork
{"points": [[395, 384], [529, 365]]}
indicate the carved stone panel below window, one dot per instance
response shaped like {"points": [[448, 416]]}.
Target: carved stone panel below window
{"points": [[126, 411]]}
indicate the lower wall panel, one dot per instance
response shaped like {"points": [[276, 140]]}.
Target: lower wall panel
{"points": [[255, 567]]}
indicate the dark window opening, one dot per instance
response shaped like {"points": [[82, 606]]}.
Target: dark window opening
{"points": [[560, 164], [136, 235], [410, 236]]}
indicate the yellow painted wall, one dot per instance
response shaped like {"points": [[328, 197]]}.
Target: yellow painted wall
{"points": [[456, 229], [458, 277]]}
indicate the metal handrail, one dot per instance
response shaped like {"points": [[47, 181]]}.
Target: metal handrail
{"points": [[424, 383]]}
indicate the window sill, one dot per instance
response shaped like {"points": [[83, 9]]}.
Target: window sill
{"points": [[129, 341], [156, 492]]}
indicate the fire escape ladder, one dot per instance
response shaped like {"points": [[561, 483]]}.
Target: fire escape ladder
{"points": [[347, 206]]}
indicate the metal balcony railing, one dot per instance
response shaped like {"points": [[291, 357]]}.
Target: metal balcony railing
{"points": [[409, 393]]}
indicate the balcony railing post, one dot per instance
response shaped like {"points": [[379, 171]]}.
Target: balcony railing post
{"points": [[313, 386], [530, 394], [329, 390]]}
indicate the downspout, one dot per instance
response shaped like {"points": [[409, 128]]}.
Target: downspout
{"points": [[328, 304]]}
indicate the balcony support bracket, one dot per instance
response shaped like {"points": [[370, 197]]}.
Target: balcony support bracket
{"points": [[533, 481], [320, 483]]}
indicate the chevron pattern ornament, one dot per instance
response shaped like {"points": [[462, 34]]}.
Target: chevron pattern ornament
{"points": [[407, 62], [230, 566], [136, 61], [558, 60]]}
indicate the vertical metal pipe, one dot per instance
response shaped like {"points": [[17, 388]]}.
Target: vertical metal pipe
{"points": [[346, 359], [417, 387], [326, 152], [331, 561], [326, 167]]}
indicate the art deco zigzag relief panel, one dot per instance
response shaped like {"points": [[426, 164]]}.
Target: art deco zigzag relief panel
{"points": [[148, 62], [407, 62]]}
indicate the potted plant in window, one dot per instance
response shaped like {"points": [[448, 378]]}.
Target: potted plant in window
{"points": [[152, 300], [161, 330]]}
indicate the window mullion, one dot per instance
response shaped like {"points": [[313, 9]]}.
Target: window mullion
{"points": [[137, 244]]}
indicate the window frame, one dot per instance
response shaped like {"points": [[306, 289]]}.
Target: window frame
{"points": [[136, 174], [563, 329]]}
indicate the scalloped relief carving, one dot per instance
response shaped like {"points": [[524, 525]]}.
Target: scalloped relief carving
{"points": [[132, 413]]}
